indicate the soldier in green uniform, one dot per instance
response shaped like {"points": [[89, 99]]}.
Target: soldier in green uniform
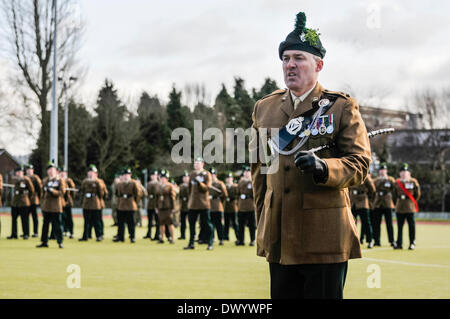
{"points": [[166, 196], [383, 205], [128, 193], [92, 192], [37, 183], [199, 203], [217, 196], [20, 205], [52, 205], [407, 193], [246, 209], [103, 206], [231, 207], [184, 195], [360, 198], [152, 187], [67, 219]]}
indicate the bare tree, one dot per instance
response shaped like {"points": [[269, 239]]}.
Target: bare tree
{"points": [[29, 34], [434, 106]]}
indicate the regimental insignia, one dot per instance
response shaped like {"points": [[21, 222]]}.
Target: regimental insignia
{"points": [[302, 36], [330, 127], [294, 125]]}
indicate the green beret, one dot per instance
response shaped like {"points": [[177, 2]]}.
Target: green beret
{"points": [[186, 173], [164, 173], [198, 158], [229, 174], [246, 168], [50, 165], [126, 170], [29, 166], [303, 39], [18, 168], [383, 165], [405, 167], [154, 171], [212, 170], [92, 168]]}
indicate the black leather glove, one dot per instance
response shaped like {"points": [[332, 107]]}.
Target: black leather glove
{"points": [[309, 162]]}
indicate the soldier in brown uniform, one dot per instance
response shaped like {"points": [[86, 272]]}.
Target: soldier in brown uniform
{"points": [[52, 202], [217, 195], [128, 193], [184, 195], [199, 203], [103, 206], [306, 230], [67, 218], [137, 214], [37, 183], [360, 197], [407, 193], [114, 199], [166, 195], [23, 192], [231, 207], [1, 203], [152, 187], [383, 205], [92, 191], [246, 208]]}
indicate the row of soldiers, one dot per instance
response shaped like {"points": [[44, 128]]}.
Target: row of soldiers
{"points": [[383, 196], [200, 196]]}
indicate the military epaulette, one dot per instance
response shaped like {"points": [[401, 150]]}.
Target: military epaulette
{"points": [[338, 93], [280, 91]]}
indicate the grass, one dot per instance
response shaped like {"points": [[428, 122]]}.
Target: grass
{"points": [[150, 270]]}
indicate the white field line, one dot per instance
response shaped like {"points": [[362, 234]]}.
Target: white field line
{"points": [[405, 263]]}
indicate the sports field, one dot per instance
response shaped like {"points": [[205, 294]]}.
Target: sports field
{"points": [[150, 270]]}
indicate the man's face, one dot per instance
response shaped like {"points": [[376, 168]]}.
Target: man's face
{"points": [[30, 171], [51, 172], [383, 172], [127, 177], [19, 173], [92, 175], [405, 175], [186, 179], [229, 180], [154, 177], [300, 70], [198, 165], [63, 174], [247, 174]]}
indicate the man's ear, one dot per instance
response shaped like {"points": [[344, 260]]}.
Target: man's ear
{"points": [[319, 65]]}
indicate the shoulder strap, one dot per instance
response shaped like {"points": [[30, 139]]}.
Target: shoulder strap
{"points": [[407, 193]]}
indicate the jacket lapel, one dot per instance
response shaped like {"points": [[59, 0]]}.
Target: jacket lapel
{"points": [[307, 103], [286, 104]]}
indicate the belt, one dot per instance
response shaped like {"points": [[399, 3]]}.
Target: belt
{"points": [[89, 195], [243, 196], [383, 193], [21, 192], [126, 195], [355, 192], [213, 197]]}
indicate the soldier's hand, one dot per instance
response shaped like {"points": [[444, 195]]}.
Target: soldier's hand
{"points": [[309, 162]]}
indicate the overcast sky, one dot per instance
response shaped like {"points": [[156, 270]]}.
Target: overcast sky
{"points": [[381, 51]]}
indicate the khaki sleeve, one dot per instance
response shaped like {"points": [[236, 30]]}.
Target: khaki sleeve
{"points": [[418, 192], [353, 144], [204, 187], [30, 187], [258, 179]]}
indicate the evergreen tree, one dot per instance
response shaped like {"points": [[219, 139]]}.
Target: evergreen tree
{"points": [[268, 87], [245, 103]]}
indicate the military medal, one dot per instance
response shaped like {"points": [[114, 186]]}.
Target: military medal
{"points": [[322, 127], [315, 131], [330, 127], [307, 132], [324, 102]]}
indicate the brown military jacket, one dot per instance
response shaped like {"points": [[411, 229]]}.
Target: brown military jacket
{"points": [[92, 192], [199, 190], [231, 202], [217, 198], [166, 195], [52, 199], [128, 195], [384, 192], [105, 193], [152, 188], [23, 191], [37, 183], [68, 196], [184, 196], [403, 203], [245, 193], [1, 189], [300, 221], [362, 195]]}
